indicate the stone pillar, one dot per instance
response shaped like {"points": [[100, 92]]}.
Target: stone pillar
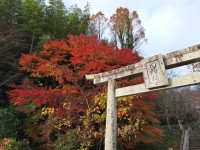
{"points": [[111, 118]]}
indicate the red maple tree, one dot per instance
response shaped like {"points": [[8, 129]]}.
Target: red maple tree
{"points": [[58, 88]]}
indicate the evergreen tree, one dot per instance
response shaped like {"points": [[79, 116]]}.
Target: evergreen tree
{"points": [[56, 19], [78, 20], [9, 12], [12, 40], [32, 19]]}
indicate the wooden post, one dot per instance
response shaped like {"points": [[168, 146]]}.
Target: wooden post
{"points": [[111, 118]]}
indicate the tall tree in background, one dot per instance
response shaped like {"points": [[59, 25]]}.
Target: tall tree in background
{"points": [[12, 40], [77, 20], [126, 29], [56, 19], [32, 19], [98, 24], [9, 16], [9, 12]]}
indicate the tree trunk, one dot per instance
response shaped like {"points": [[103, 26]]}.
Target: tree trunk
{"points": [[32, 40]]}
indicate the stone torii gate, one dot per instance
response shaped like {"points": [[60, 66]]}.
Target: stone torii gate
{"points": [[154, 73]]}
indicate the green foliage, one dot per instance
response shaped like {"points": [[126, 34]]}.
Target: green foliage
{"points": [[9, 11], [42, 39], [56, 19], [9, 123], [13, 144], [77, 20], [32, 13], [66, 141], [32, 19]]}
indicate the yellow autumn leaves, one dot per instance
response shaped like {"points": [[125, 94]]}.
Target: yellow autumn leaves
{"points": [[47, 110]]}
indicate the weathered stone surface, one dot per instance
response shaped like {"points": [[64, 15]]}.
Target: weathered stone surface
{"points": [[180, 81], [185, 140], [154, 72], [111, 118]]}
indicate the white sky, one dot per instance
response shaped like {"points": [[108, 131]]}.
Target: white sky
{"points": [[169, 24]]}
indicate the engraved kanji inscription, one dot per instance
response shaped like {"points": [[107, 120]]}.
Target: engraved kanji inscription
{"points": [[153, 68], [154, 72]]}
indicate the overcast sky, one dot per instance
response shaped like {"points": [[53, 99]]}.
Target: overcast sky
{"points": [[169, 24]]}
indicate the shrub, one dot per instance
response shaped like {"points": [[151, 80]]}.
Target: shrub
{"points": [[13, 144], [9, 123]]}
